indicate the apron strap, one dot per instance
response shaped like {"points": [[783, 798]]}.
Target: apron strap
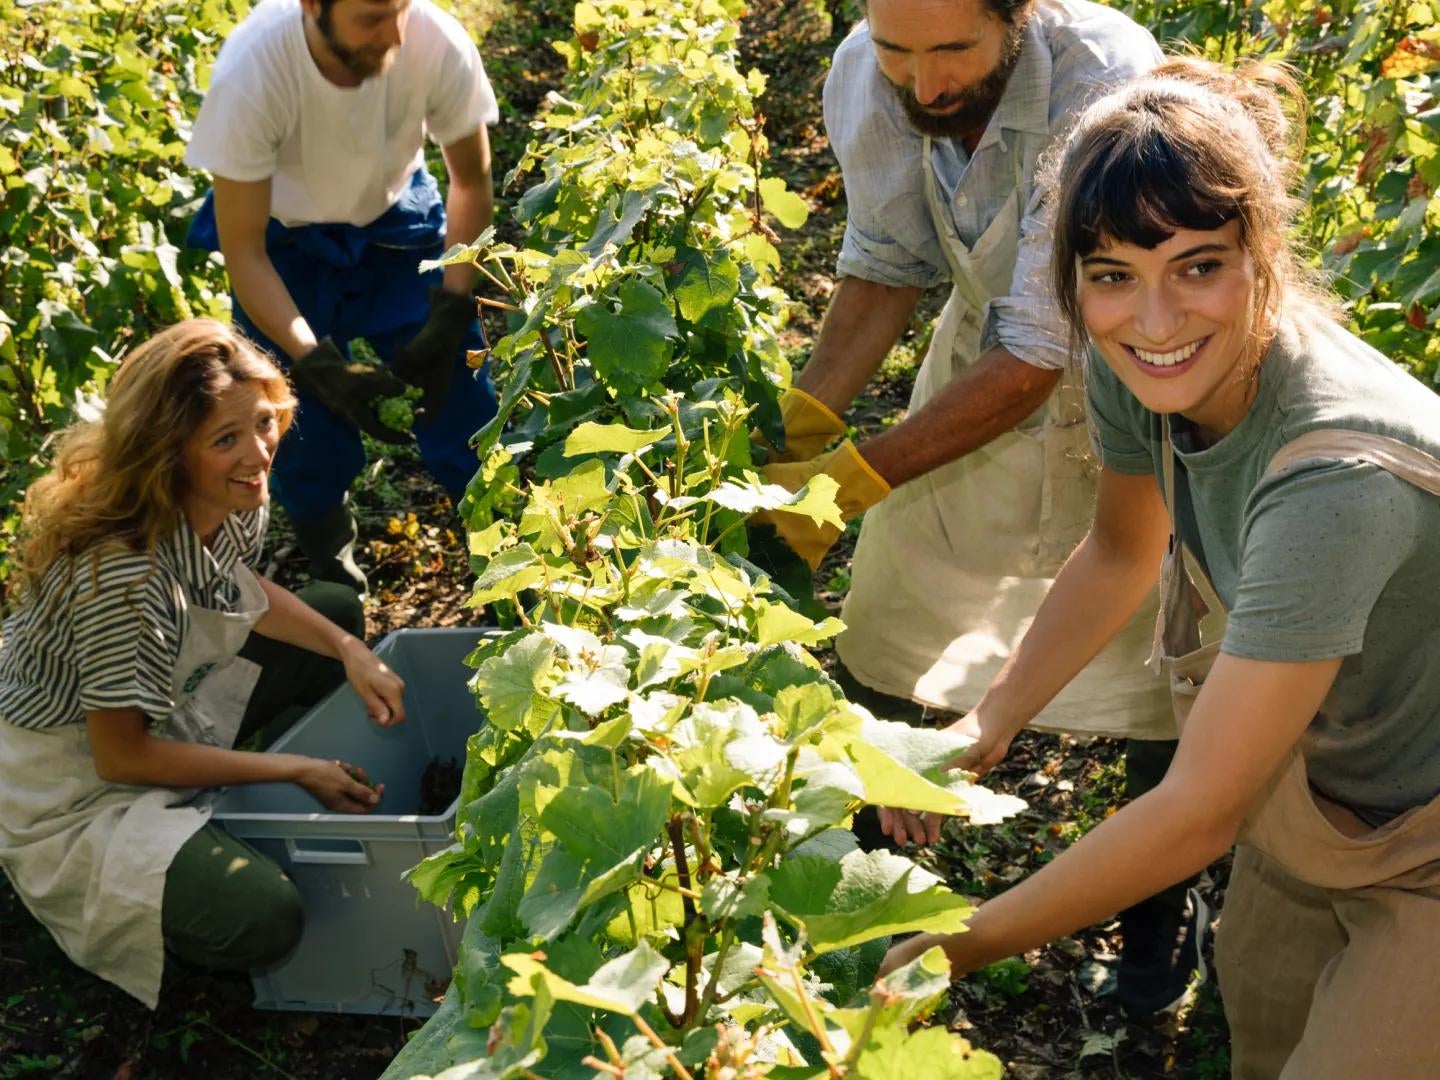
{"points": [[1186, 593], [957, 255], [1410, 463]]}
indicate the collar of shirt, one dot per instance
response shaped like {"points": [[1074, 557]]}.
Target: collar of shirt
{"points": [[209, 572]]}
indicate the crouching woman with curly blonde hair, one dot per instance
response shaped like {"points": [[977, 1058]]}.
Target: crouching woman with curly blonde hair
{"points": [[143, 648], [1289, 477]]}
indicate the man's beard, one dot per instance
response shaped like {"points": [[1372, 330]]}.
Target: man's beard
{"points": [[972, 106], [359, 63]]}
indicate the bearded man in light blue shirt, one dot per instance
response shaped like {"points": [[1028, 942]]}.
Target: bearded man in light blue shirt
{"points": [[939, 111]]}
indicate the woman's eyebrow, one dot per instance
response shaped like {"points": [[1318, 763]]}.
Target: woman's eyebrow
{"points": [[1095, 260], [1201, 249]]}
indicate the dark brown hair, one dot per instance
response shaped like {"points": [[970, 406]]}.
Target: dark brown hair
{"points": [[1192, 145], [1007, 11]]}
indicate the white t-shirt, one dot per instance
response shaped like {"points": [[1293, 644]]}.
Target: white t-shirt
{"points": [[336, 154]]}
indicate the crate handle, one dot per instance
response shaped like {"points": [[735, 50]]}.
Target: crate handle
{"points": [[328, 857]]}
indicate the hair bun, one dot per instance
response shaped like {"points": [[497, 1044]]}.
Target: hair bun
{"points": [[1266, 91]]}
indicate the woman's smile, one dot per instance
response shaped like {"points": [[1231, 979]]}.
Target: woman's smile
{"points": [[1174, 321]]}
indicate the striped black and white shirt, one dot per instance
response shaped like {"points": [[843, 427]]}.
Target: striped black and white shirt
{"points": [[112, 642]]}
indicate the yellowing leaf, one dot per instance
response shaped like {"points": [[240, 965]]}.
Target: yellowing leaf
{"points": [[790, 209], [593, 438]]}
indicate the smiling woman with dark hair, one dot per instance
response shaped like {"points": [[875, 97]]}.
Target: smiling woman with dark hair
{"points": [[145, 647], [1289, 476]]}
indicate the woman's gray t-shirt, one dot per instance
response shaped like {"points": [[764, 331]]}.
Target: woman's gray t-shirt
{"points": [[1330, 559]]}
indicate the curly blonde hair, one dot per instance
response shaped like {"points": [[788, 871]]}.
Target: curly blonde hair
{"points": [[1191, 145], [118, 480]]}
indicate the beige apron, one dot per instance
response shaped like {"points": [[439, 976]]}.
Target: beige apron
{"points": [[1327, 952], [952, 566], [89, 858]]}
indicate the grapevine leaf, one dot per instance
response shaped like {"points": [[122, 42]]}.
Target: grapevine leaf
{"points": [[507, 574], [629, 350], [708, 282], [722, 747], [621, 986], [750, 495], [597, 675], [912, 991], [894, 1054], [593, 438], [563, 500], [614, 227], [729, 898], [553, 898], [512, 685], [925, 750], [806, 708], [888, 783], [816, 500], [789, 209], [779, 622], [868, 894], [604, 829]]}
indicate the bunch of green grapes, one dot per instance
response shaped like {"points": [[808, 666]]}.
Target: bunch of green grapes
{"points": [[398, 413]]}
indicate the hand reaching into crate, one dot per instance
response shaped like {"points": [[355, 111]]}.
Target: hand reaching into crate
{"points": [[342, 788]]}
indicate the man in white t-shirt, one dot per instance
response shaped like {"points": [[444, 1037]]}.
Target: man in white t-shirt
{"points": [[314, 129]]}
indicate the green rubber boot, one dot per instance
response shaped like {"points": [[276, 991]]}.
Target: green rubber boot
{"points": [[329, 543]]}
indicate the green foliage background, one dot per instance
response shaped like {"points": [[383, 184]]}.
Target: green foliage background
{"points": [[96, 100]]}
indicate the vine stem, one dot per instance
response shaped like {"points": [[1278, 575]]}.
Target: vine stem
{"points": [[556, 367], [509, 290], [659, 1043], [603, 1066], [827, 1048], [712, 989], [694, 947], [878, 999]]}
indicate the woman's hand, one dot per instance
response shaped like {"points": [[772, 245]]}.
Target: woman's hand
{"points": [[992, 743], [379, 688], [337, 786]]}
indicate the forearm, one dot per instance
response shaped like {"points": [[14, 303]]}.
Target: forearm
{"points": [[1092, 597], [153, 762], [1163, 837], [469, 209], [291, 620], [987, 400], [268, 303], [861, 324]]}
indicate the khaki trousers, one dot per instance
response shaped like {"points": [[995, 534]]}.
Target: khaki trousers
{"points": [[1328, 984]]}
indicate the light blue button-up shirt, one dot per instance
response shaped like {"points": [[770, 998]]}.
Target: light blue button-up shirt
{"points": [[1073, 52]]}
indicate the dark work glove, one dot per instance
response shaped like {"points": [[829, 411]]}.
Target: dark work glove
{"points": [[428, 361], [349, 389]]}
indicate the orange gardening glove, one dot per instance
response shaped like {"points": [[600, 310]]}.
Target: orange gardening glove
{"points": [[809, 427], [860, 487]]}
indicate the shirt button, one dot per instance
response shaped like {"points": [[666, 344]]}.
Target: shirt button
{"points": [[961, 199]]}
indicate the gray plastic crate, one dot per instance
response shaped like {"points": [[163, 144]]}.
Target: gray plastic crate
{"points": [[370, 944]]}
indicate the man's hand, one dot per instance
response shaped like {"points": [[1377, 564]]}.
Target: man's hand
{"points": [[428, 361], [992, 742], [349, 389], [809, 428], [861, 487]]}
